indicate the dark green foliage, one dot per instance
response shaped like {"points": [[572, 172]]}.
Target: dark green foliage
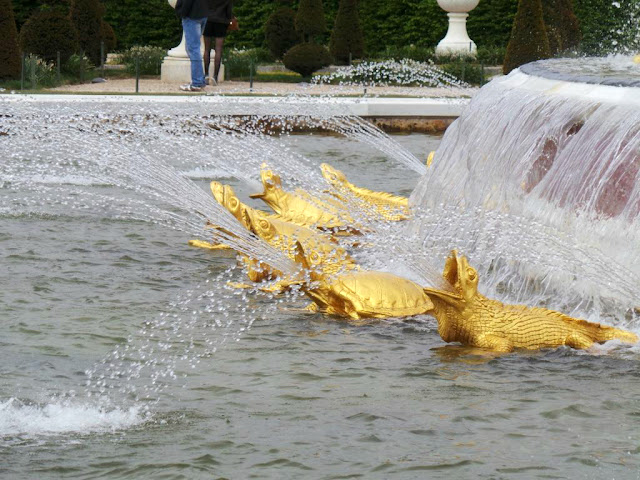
{"points": [[346, 37], [149, 22], [48, 32], [602, 24], [109, 37], [465, 71], [86, 16], [146, 59], [307, 58], [491, 55], [489, 24], [400, 23], [387, 25], [252, 16], [280, 31], [310, 19], [23, 9], [529, 40], [563, 30], [10, 62]]}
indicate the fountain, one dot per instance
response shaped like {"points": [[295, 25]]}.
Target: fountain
{"points": [[536, 184]]}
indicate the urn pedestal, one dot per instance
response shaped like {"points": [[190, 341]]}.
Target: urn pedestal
{"points": [[457, 40]]}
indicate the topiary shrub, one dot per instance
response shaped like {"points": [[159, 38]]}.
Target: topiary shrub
{"points": [[48, 32], [280, 32], [310, 19], [9, 53], [86, 16], [109, 38], [563, 30], [347, 41], [529, 40], [307, 58], [149, 59]]}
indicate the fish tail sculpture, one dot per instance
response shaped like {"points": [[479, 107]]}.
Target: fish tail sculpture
{"points": [[468, 317], [389, 207]]}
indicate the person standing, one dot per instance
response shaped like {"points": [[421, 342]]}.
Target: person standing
{"points": [[194, 15], [216, 27]]}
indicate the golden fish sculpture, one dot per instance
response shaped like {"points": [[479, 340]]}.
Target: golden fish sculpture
{"points": [[376, 204], [470, 318], [361, 294], [302, 208], [283, 236]]}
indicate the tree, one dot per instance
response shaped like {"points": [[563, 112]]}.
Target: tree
{"points": [[86, 16], [346, 37], [562, 25], [280, 31], [310, 19], [48, 32], [306, 58], [9, 54], [529, 40]]}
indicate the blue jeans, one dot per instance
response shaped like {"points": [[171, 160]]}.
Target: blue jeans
{"points": [[192, 33]]}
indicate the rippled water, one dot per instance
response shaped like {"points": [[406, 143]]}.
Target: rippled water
{"points": [[295, 396]]}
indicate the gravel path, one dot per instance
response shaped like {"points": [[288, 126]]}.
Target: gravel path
{"points": [[128, 85]]}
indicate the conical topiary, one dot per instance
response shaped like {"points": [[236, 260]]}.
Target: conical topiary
{"points": [[48, 32], [86, 16], [310, 19], [280, 31], [10, 63], [563, 30], [347, 40], [529, 40]]}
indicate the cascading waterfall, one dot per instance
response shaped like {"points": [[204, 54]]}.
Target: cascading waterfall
{"points": [[542, 192]]}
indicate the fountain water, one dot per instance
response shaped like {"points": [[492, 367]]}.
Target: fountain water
{"points": [[509, 187]]}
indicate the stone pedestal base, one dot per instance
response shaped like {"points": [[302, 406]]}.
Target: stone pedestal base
{"points": [[457, 41], [178, 70]]}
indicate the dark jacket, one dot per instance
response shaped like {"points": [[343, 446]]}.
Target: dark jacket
{"points": [[221, 11], [193, 8]]}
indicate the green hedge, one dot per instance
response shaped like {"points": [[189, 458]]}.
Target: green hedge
{"points": [[386, 24]]}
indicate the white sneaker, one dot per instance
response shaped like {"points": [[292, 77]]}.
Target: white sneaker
{"points": [[187, 87]]}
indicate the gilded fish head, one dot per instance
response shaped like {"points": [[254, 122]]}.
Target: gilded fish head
{"points": [[332, 175], [226, 197], [462, 276], [271, 182], [260, 224]]}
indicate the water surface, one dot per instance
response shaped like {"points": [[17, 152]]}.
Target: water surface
{"points": [[296, 395]]}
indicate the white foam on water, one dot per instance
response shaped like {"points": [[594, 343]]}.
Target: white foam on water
{"points": [[206, 174], [16, 418]]}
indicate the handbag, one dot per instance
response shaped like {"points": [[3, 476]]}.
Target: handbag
{"points": [[233, 24]]}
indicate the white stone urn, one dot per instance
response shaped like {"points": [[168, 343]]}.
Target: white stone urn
{"points": [[176, 66], [457, 40]]}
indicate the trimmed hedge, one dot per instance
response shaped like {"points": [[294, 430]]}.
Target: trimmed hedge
{"points": [[386, 24], [347, 41], [563, 30], [307, 58], [86, 16], [10, 62], [310, 20], [48, 32], [529, 40], [280, 32]]}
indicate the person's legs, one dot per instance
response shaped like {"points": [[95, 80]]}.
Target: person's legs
{"points": [[207, 55], [218, 59], [192, 33]]}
